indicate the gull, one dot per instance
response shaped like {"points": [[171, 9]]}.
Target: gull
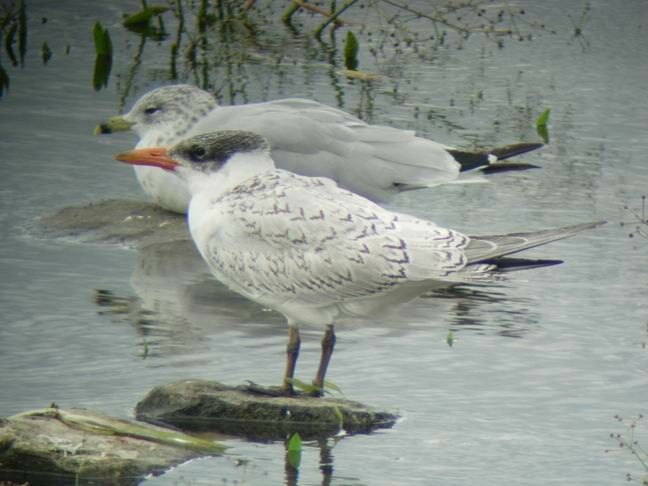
{"points": [[313, 251], [307, 138]]}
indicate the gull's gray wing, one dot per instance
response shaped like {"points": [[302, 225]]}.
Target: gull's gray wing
{"points": [[317, 140]]}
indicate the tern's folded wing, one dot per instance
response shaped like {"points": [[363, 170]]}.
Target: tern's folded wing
{"points": [[297, 238]]}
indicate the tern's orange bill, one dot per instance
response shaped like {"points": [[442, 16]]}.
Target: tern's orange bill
{"points": [[153, 156]]}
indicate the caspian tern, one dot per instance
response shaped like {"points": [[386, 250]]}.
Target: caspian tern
{"points": [[316, 252]]}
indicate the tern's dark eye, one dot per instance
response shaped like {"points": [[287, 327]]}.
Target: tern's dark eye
{"points": [[198, 152], [151, 110]]}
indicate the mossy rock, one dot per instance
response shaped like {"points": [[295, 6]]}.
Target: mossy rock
{"points": [[243, 411], [54, 446]]}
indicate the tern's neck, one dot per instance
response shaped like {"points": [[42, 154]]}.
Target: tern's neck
{"points": [[236, 170]]}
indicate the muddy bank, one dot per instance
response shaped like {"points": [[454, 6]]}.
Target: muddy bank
{"points": [[133, 223]]}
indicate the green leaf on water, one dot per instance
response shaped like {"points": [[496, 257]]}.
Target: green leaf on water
{"points": [[541, 125], [143, 17], [102, 42], [294, 450], [450, 338], [351, 51]]}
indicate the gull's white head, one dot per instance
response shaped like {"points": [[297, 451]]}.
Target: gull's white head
{"points": [[231, 155], [163, 115]]}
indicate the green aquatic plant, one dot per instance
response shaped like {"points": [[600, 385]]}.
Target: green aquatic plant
{"points": [[351, 48], [541, 125], [103, 61], [294, 450], [310, 389], [102, 42], [144, 16]]}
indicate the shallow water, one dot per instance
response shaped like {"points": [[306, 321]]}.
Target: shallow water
{"points": [[528, 392]]}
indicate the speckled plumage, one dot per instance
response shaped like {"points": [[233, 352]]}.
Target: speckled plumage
{"points": [[310, 249]]}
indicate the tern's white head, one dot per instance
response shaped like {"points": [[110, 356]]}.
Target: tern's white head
{"points": [[165, 114], [220, 159]]}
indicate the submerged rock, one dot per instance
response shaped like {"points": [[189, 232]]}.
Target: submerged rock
{"points": [[135, 223], [243, 411], [55, 446]]}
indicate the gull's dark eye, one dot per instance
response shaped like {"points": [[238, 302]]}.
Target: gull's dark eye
{"points": [[151, 110]]}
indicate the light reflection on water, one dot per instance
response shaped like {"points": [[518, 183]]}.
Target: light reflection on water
{"points": [[538, 367]]}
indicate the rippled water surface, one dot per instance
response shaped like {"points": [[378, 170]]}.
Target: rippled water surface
{"points": [[539, 367]]}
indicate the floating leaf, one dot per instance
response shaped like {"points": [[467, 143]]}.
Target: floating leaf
{"points": [[541, 125], [294, 450], [351, 51], [450, 338], [143, 17], [46, 53]]}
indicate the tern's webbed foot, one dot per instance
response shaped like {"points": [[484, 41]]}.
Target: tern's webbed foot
{"points": [[269, 391]]}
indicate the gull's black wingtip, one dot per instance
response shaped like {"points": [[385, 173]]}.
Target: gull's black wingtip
{"points": [[485, 160]]}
